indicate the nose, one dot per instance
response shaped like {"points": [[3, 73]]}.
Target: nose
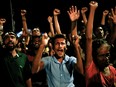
{"points": [[60, 45]]}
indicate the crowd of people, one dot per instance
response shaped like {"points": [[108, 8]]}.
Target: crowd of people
{"points": [[83, 58]]}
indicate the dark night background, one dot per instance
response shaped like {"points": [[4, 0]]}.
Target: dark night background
{"points": [[39, 10]]}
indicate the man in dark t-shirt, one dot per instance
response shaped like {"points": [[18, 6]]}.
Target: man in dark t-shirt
{"points": [[15, 70]]}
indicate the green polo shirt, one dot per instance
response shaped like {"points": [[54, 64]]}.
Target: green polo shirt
{"points": [[15, 70]]}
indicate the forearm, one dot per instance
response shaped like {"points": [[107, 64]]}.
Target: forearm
{"points": [[84, 18], [103, 20], [79, 63], [89, 32], [57, 26], [74, 28], [29, 83], [24, 22], [52, 29], [36, 63], [90, 25], [113, 35]]}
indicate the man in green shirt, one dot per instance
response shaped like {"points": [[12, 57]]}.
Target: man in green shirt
{"points": [[15, 70]]}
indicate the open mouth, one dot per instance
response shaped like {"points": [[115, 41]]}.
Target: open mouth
{"points": [[10, 44]]}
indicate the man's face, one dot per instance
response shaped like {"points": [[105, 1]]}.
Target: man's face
{"points": [[100, 32], [10, 41], [36, 42], [36, 32], [60, 47]]}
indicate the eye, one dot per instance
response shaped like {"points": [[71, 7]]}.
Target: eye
{"points": [[12, 37], [104, 55]]}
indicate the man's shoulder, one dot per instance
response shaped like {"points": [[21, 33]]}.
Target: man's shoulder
{"points": [[69, 57], [21, 54]]}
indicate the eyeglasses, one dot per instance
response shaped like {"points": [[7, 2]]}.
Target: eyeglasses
{"points": [[104, 55]]}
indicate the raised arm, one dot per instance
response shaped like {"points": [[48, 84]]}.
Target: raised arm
{"points": [[83, 13], [74, 15], [113, 35], [89, 31], [103, 23], [105, 13], [2, 21], [23, 13], [50, 20], [25, 31], [56, 12], [37, 64], [79, 64]]}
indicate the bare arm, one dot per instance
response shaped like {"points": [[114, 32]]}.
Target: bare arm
{"points": [[37, 64], [56, 12], [83, 13], [105, 13], [25, 28], [2, 21], [25, 31], [29, 83], [74, 15], [79, 64], [113, 35], [89, 31], [51, 25]]}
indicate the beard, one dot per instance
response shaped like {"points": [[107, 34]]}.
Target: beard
{"points": [[36, 46], [9, 47], [102, 65]]}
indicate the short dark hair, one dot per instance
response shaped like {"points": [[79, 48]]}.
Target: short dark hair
{"points": [[9, 33], [58, 36]]}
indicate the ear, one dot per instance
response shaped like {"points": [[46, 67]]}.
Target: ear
{"points": [[65, 48], [4, 46], [17, 41]]}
